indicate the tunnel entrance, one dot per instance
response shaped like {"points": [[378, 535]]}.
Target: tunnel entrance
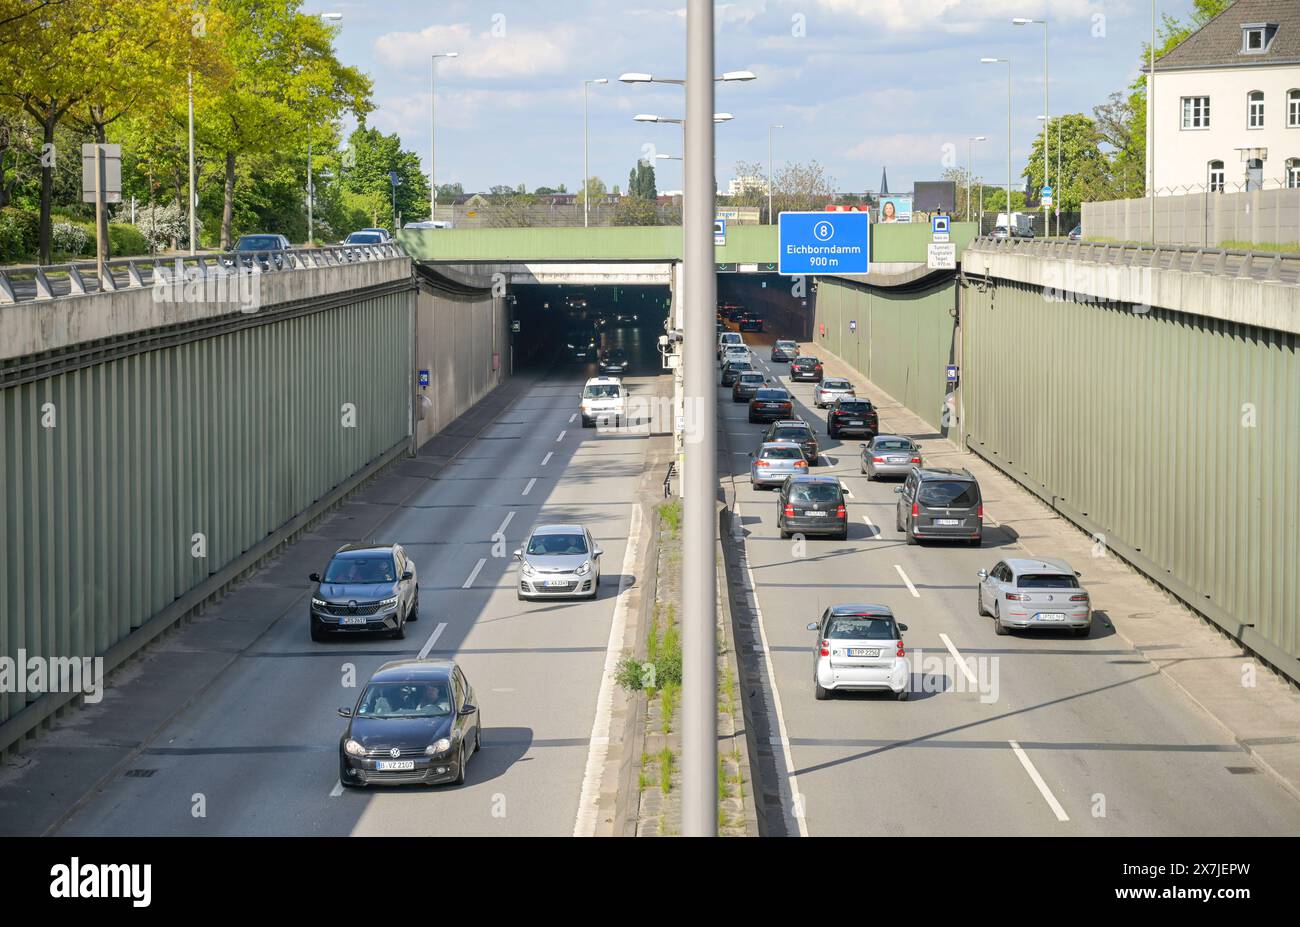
{"points": [[571, 325], [786, 310]]}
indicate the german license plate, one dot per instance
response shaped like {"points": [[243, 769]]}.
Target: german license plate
{"points": [[947, 522], [1050, 616], [556, 582], [816, 514], [353, 619], [394, 765], [855, 421], [898, 459], [864, 652]]}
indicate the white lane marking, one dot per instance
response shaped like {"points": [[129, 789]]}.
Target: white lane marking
{"points": [[561, 437], [337, 790], [598, 748], [503, 689], [844, 486], [797, 809], [547, 458], [573, 418], [473, 574], [1038, 781], [433, 639], [505, 524], [834, 463], [910, 587], [961, 661], [875, 532], [529, 487]]}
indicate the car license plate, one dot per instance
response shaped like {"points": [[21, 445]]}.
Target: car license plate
{"points": [[815, 514], [947, 522], [556, 582], [855, 421], [1050, 616], [864, 652], [387, 765], [353, 619]]}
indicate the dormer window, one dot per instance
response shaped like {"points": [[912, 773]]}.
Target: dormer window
{"points": [[1256, 37]]}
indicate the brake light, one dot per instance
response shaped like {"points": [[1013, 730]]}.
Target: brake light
{"points": [[789, 510], [877, 460], [1017, 597], [918, 460], [979, 511], [840, 512], [1079, 598], [761, 463], [826, 648], [901, 651], [801, 463], [916, 510]]}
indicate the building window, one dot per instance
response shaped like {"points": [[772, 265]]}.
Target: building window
{"points": [[1253, 40], [1256, 37], [1216, 176], [1293, 172], [1255, 109], [1293, 109], [1196, 112]]}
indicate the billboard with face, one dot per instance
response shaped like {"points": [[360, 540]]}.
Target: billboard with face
{"points": [[895, 209]]}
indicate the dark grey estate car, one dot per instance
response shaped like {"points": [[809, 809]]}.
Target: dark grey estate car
{"points": [[365, 587], [416, 722], [940, 503]]}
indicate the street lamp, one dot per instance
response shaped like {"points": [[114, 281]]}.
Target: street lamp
{"points": [[1057, 193], [1151, 126], [1007, 62], [433, 125], [311, 125], [635, 77], [585, 169], [1047, 110], [648, 117], [770, 218], [970, 167]]}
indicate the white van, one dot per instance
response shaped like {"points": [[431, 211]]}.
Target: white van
{"points": [[603, 400]]}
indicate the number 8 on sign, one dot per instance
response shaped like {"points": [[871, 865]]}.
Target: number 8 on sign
{"points": [[824, 231]]}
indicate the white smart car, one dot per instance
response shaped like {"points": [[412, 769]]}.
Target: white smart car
{"points": [[859, 647]]}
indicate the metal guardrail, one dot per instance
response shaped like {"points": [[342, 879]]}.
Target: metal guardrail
{"points": [[58, 281], [668, 478], [1265, 266]]}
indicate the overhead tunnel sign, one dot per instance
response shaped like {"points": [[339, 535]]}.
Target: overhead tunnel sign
{"points": [[823, 243]]}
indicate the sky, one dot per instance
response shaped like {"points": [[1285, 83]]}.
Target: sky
{"points": [[859, 85]]}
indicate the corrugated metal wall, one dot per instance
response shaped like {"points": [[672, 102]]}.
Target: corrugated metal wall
{"points": [[228, 437], [902, 342], [1177, 437]]}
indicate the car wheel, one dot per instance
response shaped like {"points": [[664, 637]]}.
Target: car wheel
{"points": [[785, 535], [587, 422], [316, 633], [997, 621], [414, 613], [1083, 631], [843, 535], [911, 538], [976, 542], [399, 632], [901, 694], [478, 734], [344, 779], [979, 603], [819, 693], [752, 421], [460, 766]]}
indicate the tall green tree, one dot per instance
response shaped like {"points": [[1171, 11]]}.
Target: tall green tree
{"points": [[641, 181], [1084, 169], [369, 159]]}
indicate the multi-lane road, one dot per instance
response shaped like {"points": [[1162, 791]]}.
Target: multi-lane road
{"points": [[256, 750], [1024, 734]]}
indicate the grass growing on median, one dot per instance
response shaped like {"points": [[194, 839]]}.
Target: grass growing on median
{"points": [[670, 517]]}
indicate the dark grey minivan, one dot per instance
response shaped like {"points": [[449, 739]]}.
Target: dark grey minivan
{"points": [[942, 504]]}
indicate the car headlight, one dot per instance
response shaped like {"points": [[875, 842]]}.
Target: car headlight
{"points": [[528, 569], [584, 569], [438, 746], [389, 602], [319, 603], [354, 749]]}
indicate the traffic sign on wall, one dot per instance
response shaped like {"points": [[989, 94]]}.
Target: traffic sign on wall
{"points": [[823, 243]]}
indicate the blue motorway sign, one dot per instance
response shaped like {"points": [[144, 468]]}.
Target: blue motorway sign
{"points": [[823, 243], [424, 379]]}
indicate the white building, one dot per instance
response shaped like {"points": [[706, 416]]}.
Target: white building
{"points": [[754, 183], [1227, 103]]}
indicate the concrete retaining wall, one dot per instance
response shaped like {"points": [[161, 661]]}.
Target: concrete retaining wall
{"points": [[1205, 219]]}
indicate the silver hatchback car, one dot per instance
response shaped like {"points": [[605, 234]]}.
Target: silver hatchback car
{"points": [[889, 455], [559, 560], [830, 389], [860, 647], [1029, 594], [774, 461]]}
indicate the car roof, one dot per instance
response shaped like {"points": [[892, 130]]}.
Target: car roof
{"points": [[945, 473], [1044, 564], [771, 392], [359, 550], [891, 438], [779, 442], [413, 670], [818, 478], [790, 422], [558, 529], [752, 373], [882, 611], [604, 381]]}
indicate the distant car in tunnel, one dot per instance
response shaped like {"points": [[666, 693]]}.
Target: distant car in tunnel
{"points": [[784, 351], [365, 587], [728, 338], [770, 404], [732, 369], [624, 317], [750, 322], [806, 368], [580, 342], [614, 361]]}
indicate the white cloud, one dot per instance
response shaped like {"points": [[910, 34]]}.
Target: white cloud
{"points": [[513, 53], [954, 16]]}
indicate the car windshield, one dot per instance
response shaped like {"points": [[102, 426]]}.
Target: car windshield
{"points": [[772, 395], [948, 493], [861, 628], [557, 544], [749, 379], [603, 391], [815, 492], [894, 444], [805, 360], [782, 453], [361, 570], [363, 238], [258, 243], [792, 433], [740, 365], [1047, 581], [405, 700], [857, 407], [786, 344], [837, 384]]}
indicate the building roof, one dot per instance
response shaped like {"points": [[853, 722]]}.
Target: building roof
{"points": [[1217, 44]]}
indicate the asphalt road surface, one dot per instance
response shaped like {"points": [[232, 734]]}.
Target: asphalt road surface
{"points": [[1040, 733]]}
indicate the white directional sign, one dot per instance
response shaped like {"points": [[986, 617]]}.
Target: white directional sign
{"points": [[941, 256], [112, 157]]}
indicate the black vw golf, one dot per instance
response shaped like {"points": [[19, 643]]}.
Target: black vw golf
{"points": [[416, 722]]}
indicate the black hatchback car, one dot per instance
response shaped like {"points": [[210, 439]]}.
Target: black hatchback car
{"points": [[798, 431], [415, 722], [940, 503], [806, 369], [812, 505], [770, 404], [853, 417], [365, 587]]}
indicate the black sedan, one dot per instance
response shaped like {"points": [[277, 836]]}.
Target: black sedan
{"points": [[614, 362], [749, 322], [806, 368], [769, 405], [416, 722], [365, 588]]}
